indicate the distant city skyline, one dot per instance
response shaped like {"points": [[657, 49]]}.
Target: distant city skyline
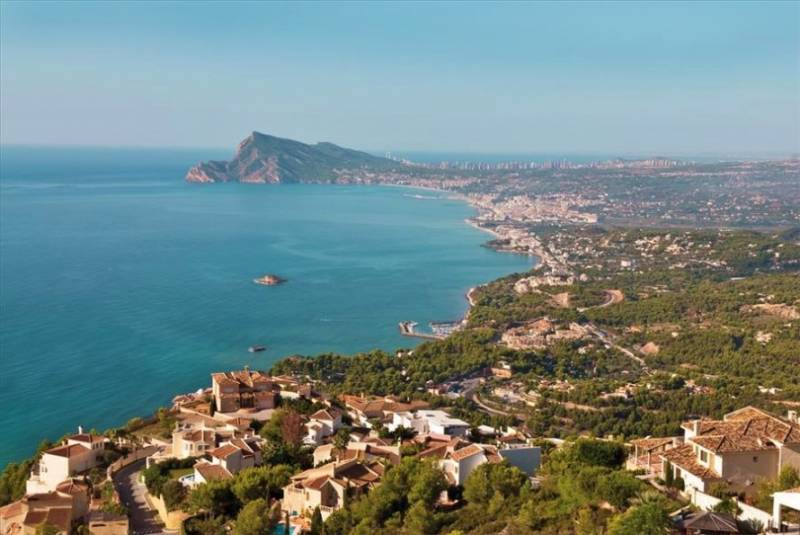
{"points": [[645, 79]]}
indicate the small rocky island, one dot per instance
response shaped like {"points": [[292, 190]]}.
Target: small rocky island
{"points": [[269, 280]]}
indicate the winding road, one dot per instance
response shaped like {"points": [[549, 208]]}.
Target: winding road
{"points": [[143, 519]]}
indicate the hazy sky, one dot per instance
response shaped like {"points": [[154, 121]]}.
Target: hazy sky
{"points": [[646, 78]]}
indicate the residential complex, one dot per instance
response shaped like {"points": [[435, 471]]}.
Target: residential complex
{"points": [[746, 446], [243, 389]]}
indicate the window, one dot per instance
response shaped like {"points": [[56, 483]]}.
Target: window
{"points": [[703, 456], [755, 459]]}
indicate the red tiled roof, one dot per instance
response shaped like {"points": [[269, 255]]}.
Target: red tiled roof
{"points": [[326, 414], [746, 413], [211, 472], [746, 424], [205, 436], [72, 450], [72, 486], [246, 378], [685, 458], [223, 452], [88, 438], [648, 444], [60, 517], [439, 450], [464, 453], [12, 509], [710, 522]]}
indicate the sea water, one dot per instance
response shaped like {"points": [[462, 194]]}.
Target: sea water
{"points": [[121, 285]]}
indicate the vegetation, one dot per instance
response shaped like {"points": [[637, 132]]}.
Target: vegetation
{"points": [[246, 501], [256, 518], [583, 486], [719, 343], [160, 481]]}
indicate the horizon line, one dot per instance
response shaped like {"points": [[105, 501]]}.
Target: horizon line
{"points": [[761, 154], [677, 155]]}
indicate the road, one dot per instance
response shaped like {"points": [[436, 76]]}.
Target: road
{"points": [[132, 494], [613, 297], [470, 393], [606, 338]]}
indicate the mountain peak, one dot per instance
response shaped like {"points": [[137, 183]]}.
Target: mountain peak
{"points": [[263, 158]]}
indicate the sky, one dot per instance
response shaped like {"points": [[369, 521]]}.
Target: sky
{"points": [[626, 78]]}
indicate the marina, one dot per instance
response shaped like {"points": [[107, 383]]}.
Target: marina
{"points": [[439, 330]]}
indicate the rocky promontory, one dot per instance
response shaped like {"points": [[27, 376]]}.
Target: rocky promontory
{"points": [[265, 159]]}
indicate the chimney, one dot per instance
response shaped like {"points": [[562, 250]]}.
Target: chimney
{"points": [[792, 416], [696, 427], [80, 429]]}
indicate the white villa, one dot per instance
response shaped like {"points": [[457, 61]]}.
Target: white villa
{"points": [[430, 422], [79, 453], [322, 424]]}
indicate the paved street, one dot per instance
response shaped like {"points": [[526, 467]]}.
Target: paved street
{"points": [[143, 519]]}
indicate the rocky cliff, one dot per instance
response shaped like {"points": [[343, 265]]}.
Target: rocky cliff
{"points": [[264, 159]]}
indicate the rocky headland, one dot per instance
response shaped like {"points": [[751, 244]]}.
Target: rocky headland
{"points": [[265, 159]]}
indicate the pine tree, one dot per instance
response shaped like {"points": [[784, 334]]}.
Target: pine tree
{"points": [[316, 522]]}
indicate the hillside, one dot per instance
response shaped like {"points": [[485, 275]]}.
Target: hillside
{"points": [[265, 159]]}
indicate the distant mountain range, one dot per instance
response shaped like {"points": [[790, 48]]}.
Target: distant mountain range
{"points": [[265, 159]]}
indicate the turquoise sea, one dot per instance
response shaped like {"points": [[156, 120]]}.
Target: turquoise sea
{"points": [[121, 285]]}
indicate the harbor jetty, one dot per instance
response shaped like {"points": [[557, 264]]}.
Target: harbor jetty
{"points": [[440, 330], [409, 328]]}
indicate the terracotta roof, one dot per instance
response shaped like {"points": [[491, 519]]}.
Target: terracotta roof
{"points": [[492, 455], [752, 434], [368, 452], [380, 405], [465, 453], [326, 414], [246, 447], [648, 444], [34, 518], [12, 509], [240, 423], [205, 436], [47, 499], [752, 423], [512, 439], [88, 438], [359, 474], [222, 379], [284, 380], [60, 517], [746, 413], [732, 443], [246, 378], [211, 472], [711, 522], [346, 473], [223, 452], [438, 450], [685, 458], [73, 486], [72, 450], [318, 483]]}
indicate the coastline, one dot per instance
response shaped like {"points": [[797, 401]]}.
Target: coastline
{"points": [[534, 249], [455, 212]]}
